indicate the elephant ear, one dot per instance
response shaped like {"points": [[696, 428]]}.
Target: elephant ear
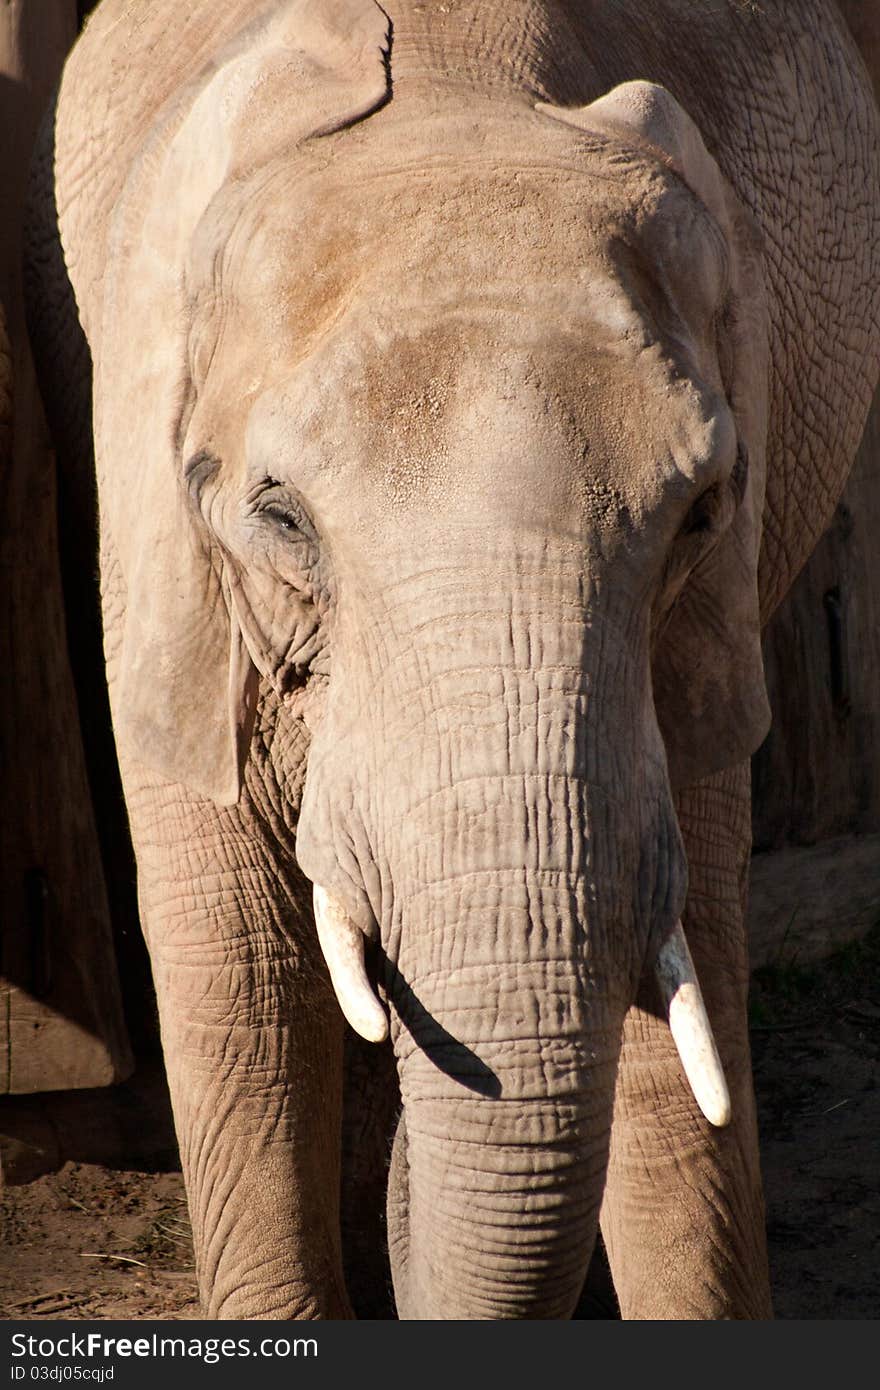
{"points": [[708, 671], [184, 684]]}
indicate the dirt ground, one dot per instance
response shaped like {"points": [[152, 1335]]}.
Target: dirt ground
{"points": [[93, 1242]]}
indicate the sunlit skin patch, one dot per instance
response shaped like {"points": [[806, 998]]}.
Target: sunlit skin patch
{"points": [[596, 271]]}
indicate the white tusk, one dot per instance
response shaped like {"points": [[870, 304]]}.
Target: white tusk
{"points": [[343, 945], [690, 1027]]}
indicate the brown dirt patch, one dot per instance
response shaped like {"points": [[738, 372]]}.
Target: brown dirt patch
{"points": [[816, 1056], [91, 1242]]}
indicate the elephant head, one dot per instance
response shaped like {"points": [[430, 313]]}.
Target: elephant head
{"points": [[456, 439]]}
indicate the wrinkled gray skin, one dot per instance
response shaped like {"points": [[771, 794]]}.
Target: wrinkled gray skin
{"points": [[431, 429]]}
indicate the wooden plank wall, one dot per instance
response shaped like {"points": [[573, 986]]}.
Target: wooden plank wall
{"points": [[61, 1023]]}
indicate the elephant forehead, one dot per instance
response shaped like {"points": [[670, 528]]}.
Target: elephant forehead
{"points": [[292, 251], [501, 413], [303, 269]]}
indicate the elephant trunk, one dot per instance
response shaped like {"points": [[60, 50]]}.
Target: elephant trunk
{"points": [[497, 1225], [507, 1054], [515, 895]]}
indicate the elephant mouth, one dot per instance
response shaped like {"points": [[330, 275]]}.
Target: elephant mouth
{"points": [[343, 942]]}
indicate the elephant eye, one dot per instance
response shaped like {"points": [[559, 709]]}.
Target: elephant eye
{"points": [[703, 515], [274, 502], [280, 518]]}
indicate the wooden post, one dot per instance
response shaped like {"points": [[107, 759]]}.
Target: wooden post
{"points": [[61, 1023]]}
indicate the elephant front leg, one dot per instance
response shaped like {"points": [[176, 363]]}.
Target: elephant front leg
{"points": [[683, 1215], [252, 1039]]}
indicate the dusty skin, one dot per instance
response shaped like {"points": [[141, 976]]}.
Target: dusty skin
{"points": [[816, 1048], [481, 421]]}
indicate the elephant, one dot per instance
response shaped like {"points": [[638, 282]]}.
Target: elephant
{"points": [[468, 385]]}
